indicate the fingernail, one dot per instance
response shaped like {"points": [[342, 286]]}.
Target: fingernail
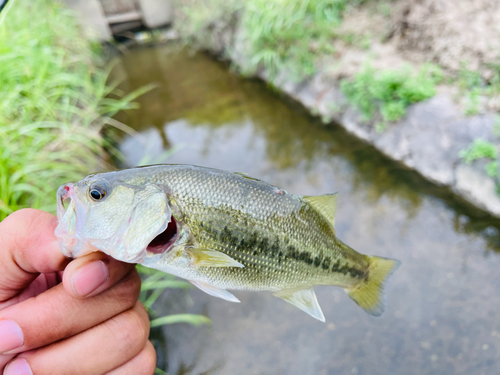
{"points": [[18, 366], [11, 336], [89, 277]]}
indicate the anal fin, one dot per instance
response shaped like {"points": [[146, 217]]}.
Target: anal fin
{"points": [[214, 291], [304, 299], [211, 258]]}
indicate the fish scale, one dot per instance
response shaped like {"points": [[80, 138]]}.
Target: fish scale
{"points": [[233, 232], [277, 216]]}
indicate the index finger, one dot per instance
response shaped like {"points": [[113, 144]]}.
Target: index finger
{"points": [[28, 247]]}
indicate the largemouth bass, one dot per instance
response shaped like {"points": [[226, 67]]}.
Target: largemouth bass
{"points": [[219, 230]]}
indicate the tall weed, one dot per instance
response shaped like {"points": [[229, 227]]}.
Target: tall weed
{"points": [[53, 104], [279, 34]]}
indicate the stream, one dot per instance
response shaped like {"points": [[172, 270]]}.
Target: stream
{"points": [[443, 306]]}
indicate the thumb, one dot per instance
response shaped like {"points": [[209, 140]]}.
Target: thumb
{"points": [[28, 247]]}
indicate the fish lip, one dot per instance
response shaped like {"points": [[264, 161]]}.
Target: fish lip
{"points": [[71, 244], [63, 192], [62, 233]]}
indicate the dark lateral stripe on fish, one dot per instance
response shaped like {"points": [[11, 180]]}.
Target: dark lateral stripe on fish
{"points": [[255, 247]]}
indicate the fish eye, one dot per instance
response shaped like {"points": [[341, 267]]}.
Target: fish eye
{"points": [[98, 190]]}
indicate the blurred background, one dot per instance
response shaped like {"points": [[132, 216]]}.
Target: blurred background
{"points": [[392, 103]]}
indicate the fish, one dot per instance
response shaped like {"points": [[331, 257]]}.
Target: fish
{"points": [[221, 231]]}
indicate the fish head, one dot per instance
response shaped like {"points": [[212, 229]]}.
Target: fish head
{"points": [[119, 218]]}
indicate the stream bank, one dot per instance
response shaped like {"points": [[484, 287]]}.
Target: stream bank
{"points": [[432, 134], [443, 305]]}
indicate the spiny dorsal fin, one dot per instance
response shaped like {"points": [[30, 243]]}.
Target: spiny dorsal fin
{"points": [[326, 205], [244, 175], [214, 291], [304, 299], [211, 258]]}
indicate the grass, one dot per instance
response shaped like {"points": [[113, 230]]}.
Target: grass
{"points": [[481, 149], [470, 85], [153, 285], [290, 34], [54, 102], [493, 88], [478, 93], [390, 91], [278, 34], [195, 17]]}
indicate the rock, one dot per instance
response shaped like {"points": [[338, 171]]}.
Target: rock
{"points": [[477, 188]]}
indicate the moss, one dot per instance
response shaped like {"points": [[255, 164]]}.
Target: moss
{"points": [[481, 149], [390, 91]]}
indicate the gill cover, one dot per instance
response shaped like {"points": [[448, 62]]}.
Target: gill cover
{"points": [[122, 224]]}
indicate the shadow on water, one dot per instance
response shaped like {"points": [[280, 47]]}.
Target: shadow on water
{"points": [[443, 310]]}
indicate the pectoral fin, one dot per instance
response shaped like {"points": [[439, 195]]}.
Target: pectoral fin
{"points": [[214, 291], [304, 299], [211, 258]]}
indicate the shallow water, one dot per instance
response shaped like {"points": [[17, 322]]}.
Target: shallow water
{"points": [[443, 305]]}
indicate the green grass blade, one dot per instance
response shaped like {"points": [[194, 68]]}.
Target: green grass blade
{"points": [[193, 319]]}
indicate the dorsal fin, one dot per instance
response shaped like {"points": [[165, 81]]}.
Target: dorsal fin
{"points": [[326, 205], [244, 175]]}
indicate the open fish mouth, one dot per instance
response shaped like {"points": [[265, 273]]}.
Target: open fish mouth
{"points": [[165, 240]]}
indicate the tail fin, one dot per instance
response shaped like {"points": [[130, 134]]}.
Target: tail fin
{"points": [[369, 294]]}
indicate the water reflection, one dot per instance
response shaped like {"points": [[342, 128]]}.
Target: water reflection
{"points": [[443, 310]]}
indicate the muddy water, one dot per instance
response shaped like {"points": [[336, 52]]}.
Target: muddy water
{"points": [[443, 304]]}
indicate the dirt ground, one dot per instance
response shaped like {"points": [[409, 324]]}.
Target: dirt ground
{"points": [[450, 33]]}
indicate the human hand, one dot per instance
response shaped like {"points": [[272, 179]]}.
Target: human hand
{"points": [[89, 323]]}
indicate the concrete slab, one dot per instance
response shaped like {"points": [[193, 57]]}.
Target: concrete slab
{"points": [[156, 13], [91, 18]]}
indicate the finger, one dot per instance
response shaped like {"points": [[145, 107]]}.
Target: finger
{"points": [[4, 359], [27, 247], [92, 274], [43, 282], [55, 315], [143, 363], [95, 351]]}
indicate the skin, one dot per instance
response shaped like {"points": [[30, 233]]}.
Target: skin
{"points": [[74, 319]]}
